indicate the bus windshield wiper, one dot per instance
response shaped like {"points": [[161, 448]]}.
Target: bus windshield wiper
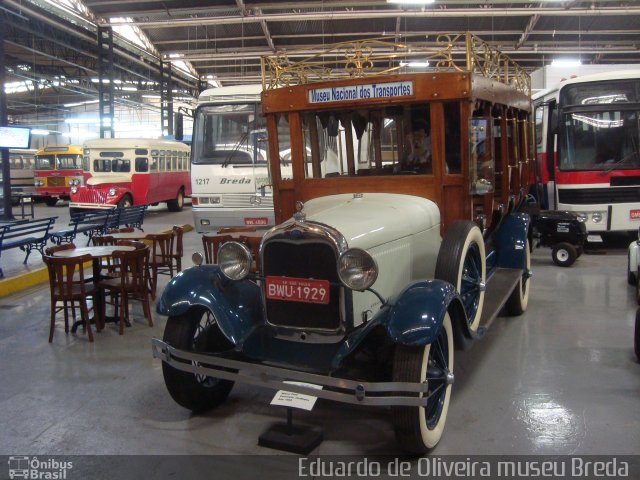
{"points": [[235, 148], [633, 153]]}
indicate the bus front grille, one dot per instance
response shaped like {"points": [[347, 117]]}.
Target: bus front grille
{"points": [[588, 196]]}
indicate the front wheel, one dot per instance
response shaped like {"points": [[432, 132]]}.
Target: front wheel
{"points": [[564, 254], [195, 331], [461, 262], [419, 429], [51, 201], [176, 204], [126, 201], [519, 298]]}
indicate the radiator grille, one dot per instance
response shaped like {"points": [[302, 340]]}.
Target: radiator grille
{"points": [[55, 182], [586, 196], [303, 260], [85, 195], [244, 201]]}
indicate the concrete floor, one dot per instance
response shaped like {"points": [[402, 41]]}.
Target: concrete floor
{"points": [[560, 379]]}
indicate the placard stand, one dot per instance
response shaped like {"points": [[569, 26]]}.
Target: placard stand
{"points": [[291, 438]]}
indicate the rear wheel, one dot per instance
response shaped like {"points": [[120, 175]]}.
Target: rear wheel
{"points": [[195, 331], [50, 201], [461, 262], [519, 298], [564, 254], [419, 429], [177, 204], [126, 201]]}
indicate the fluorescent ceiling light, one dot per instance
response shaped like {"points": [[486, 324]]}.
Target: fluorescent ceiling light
{"points": [[37, 131], [566, 62], [79, 104], [414, 64], [412, 2]]}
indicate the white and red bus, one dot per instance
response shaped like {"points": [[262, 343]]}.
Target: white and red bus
{"points": [[588, 150], [57, 168], [121, 172]]}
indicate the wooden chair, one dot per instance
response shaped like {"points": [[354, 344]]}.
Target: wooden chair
{"points": [[108, 264], [132, 284], [137, 244], [58, 248], [254, 245], [211, 244], [72, 294], [178, 250], [160, 261]]}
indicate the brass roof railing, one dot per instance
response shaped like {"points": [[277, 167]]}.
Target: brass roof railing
{"points": [[462, 52]]}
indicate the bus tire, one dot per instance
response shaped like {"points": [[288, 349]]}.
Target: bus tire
{"points": [[195, 331], [50, 201], [126, 201], [176, 204], [519, 298]]}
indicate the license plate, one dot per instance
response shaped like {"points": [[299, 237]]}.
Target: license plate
{"points": [[297, 290], [256, 221], [594, 238], [634, 214]]}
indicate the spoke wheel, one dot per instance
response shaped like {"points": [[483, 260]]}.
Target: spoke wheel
{"points": [[195, 331], [461, 262], [419, 429], [519, 298]]}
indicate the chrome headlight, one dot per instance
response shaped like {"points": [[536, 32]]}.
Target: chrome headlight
{"points": [[74, 189], [234, 260], [596, 217], [357, 269], [582, 217], [112, 192], [39, 183]]}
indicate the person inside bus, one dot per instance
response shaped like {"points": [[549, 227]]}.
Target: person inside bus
{"points": [[417, 157]]}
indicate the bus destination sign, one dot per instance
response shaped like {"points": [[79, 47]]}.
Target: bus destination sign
{"points": [[361, 92]]}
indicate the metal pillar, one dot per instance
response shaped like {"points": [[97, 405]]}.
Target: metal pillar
{"points": [[6, 214], [166, 98], [105, 82]]}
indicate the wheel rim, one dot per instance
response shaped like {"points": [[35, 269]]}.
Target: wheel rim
{"points": [[562, 255], [436, 377], [126, 202], [471, 282], [526, 272], [200, 343], [180, 199]]}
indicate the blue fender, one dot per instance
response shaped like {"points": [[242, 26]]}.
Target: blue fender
{"points": [[511, 240], [237, 306], [415, 315]]}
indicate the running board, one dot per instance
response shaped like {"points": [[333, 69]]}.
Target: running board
{"points": [[499, 288]]}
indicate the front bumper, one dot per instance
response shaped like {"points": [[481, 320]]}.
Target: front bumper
{"points": [[337, 389]]}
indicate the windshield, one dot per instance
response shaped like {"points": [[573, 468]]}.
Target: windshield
{"points": [[64, 162], [603, 140], [230, 135], [44, 162]]}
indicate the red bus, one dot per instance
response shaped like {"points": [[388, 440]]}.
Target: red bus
{"points": [[121, 172], [588, 157], [57, 168]]}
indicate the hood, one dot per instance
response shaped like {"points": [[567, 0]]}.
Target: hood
{"points": [[108, 179], [371, 219]]}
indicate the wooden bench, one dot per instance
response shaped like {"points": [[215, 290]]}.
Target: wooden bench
{"points": [[27, 236], [90, 223]]}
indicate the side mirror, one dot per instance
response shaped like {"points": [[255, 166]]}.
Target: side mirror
{"points": [[179, 130]]}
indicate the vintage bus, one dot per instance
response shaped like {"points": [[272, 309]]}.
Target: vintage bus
{"points": [[122, 172], [588, 150], [229, 169], [21, 163], [383, 260], [57, 169]]}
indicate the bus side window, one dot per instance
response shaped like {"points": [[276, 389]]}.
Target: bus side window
{"points": [[154, 164], [452, 144], [142, 164], [482, 165], [284, 146]]}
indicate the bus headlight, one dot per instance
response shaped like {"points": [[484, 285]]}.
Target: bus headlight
{"points": [[234, 260], [112, 192], [596, 217], [357, 269], [582, 217], [74, 189], [39, 183]]}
